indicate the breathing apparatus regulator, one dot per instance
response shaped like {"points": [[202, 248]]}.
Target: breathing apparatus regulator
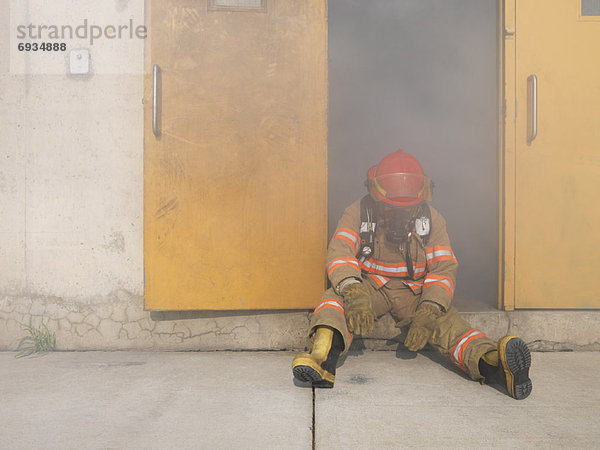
{"points": [[397, 201]]}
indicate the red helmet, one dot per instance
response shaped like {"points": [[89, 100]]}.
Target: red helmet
{"points": [[399, 180]]}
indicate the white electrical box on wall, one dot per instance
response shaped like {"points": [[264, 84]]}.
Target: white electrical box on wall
{"points": [[79, 62]]}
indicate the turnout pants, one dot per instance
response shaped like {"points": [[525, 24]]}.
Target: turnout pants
{"points": [[453, 337]]}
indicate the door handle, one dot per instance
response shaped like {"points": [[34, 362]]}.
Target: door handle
{"points": [[156, 100], [531, 108]]}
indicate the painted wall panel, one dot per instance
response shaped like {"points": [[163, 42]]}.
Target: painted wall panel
{"points": [[235, 185], [557, 172]]}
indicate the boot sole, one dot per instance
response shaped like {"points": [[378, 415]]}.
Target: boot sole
{"points": [[304, 370], [516, 361]]}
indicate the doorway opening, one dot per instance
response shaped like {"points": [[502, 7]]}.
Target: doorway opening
{"points": [[422, 75]]}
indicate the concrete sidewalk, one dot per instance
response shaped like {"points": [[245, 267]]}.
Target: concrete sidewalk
{"points": [[230, 400]]}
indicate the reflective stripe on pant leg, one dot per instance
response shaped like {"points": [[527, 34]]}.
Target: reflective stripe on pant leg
{"points": [[330, 312], [457, 352], [460, 342]]}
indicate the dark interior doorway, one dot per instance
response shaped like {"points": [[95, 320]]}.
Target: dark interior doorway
{"points": [[422, 75]]}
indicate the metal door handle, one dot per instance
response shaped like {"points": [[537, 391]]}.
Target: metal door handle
{"points": [[531, 108], [156, 81]]}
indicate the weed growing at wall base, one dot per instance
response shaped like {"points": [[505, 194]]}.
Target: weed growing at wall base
{"points": [[36, 342]]}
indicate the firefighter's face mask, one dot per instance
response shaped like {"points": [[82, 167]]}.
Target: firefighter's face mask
{"points": [[397, 221]]}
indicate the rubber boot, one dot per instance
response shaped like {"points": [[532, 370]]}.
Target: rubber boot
{"points": [[318, 366], [508, 366]]}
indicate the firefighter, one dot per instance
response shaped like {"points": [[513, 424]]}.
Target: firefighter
{"points": [[391, 254]]}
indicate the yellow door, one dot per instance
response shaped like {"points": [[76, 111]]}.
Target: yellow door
{"points": [[235, 184], [556, 142]]}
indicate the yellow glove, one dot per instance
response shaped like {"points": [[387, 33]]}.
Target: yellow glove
{"points": [[422, 326], [359, 310]]}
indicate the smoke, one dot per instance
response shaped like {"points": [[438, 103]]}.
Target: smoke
{"points": [[421, 75]]}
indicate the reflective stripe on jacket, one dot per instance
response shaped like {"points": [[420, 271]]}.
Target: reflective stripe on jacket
{"points": [[434, 265]]}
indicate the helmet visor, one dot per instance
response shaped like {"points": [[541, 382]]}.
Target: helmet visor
{"points": [[401, 188]]}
